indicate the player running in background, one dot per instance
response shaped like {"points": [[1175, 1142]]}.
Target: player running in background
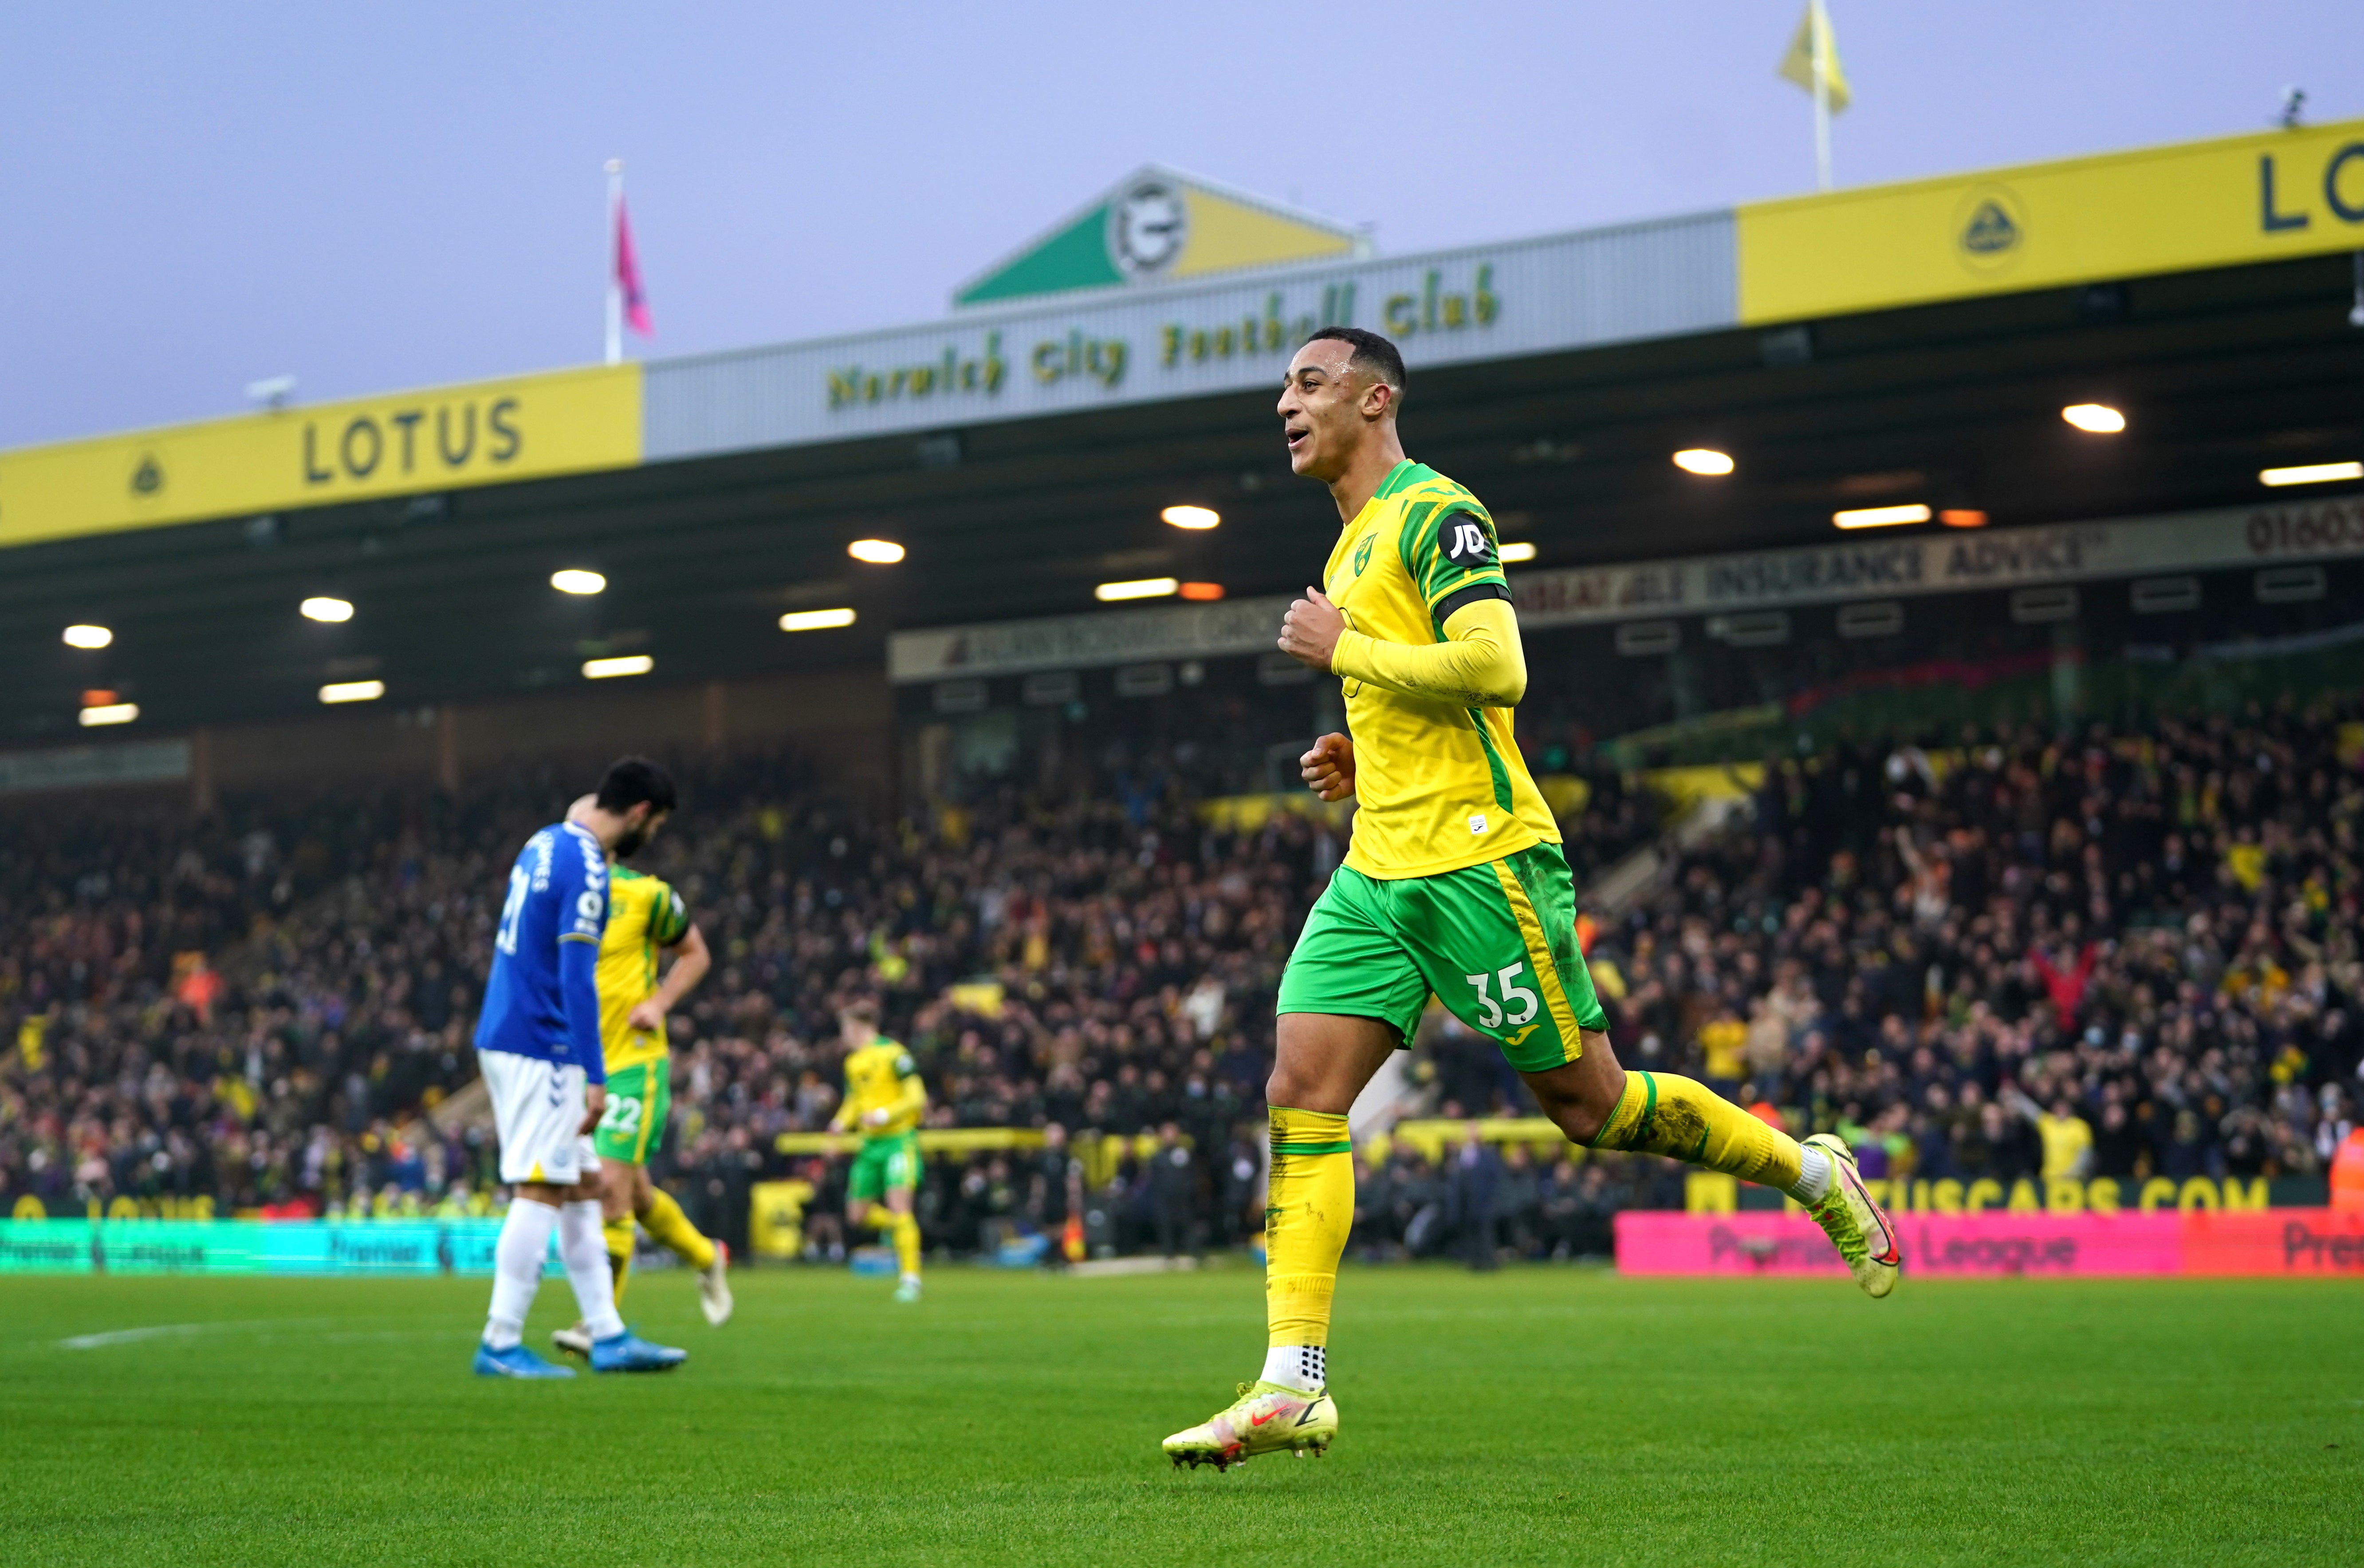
{"points": [[884, 1099], [1454, 884], [538, 1046], [644, 916]]}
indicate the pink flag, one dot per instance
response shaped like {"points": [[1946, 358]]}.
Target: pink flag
{"points": [[628, 276]]}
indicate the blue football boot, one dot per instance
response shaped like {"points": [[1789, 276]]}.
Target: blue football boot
{"points": [[515, 1361], [627, 1352]]}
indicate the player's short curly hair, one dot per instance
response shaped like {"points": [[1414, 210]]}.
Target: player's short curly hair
{"points": [[631, 780], [1373, 355]]}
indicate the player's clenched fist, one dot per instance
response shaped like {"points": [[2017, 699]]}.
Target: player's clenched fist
{"points": [[1309, 632], [1329, 767]]}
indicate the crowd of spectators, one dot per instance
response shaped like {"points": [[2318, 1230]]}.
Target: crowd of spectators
{"points": [[2025, 956], [2018, 955], [248, 1011]]}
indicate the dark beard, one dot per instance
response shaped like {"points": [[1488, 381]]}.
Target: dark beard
{"points": [[633, 838]]}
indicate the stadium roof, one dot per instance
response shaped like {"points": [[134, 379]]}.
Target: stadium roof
{"points": [[1902, 343]]}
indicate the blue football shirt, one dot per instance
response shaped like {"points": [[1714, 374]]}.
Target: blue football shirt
{"points": [[542, 998]]}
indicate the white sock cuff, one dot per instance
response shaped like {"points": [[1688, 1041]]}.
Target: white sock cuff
{"points": [[1305, 1368], [1813, 1175]]}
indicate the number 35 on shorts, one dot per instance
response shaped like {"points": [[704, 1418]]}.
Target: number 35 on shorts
{"points": [[1516, 1006]]}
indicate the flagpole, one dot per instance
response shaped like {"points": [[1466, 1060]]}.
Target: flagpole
{"points": [[615, 276], [1820, 27]]}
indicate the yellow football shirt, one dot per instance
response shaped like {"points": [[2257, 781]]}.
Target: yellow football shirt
{"points": [[2066, 1141], [643, 915], [1438, 788], [1722, 1041], [882, 1076]]}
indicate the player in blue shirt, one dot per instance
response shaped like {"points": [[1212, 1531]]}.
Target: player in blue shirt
{"points": [[538, 1046]]}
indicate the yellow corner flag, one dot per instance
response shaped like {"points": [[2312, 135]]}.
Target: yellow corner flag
{"points": [[1797, 65]]}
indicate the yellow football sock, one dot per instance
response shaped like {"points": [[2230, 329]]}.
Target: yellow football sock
{"points": [[903, 1231], [1308, 1211], [619, 1236], [671, 1228], [1661, 1113], [906, 1243]]}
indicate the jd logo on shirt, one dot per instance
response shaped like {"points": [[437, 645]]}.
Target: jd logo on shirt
{"points": [[1464, 544]]}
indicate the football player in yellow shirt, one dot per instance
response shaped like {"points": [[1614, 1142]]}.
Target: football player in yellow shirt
{"points": [[1454, 884], [645, 916], [885, 1099]]}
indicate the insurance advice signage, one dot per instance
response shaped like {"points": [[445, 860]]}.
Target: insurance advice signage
{"points": [[1894, 566]]}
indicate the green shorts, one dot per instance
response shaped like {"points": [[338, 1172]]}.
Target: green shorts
{"points": [[640, 1099], [1496, 943], [885, 1164]]}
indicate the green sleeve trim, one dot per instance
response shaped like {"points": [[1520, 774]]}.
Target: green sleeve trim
{"points": [[1343, 1146], [1649, 1110], [1468, 578]]}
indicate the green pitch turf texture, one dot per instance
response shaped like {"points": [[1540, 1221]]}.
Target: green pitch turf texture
{"points": [[1533, 1416]]}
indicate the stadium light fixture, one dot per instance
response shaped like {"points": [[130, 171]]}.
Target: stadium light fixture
{"points": [[2095, 418], [1880, 516], [88, 637], [608, 669], [815, 620], [1962, 518], [2311, 473], [574, 580], [1191, 516], [876, 551], [322, 608], [352, 691], [1139, 588], [109, 713], [1517, 552], [1205, 593], [1703, 459]]}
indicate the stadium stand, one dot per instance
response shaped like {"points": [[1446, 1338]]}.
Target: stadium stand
{"points": [[2020, 955]]}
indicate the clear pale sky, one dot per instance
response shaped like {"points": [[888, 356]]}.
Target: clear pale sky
{"points": [[379, 196]]}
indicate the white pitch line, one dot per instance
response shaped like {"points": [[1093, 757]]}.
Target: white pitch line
{"points": [[173, 1330], [126, 1336]]}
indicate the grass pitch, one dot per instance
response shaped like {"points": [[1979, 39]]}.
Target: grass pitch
{"points": [[1533, 1416]]}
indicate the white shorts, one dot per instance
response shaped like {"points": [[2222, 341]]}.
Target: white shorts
{"points": [[538, 1109]]}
